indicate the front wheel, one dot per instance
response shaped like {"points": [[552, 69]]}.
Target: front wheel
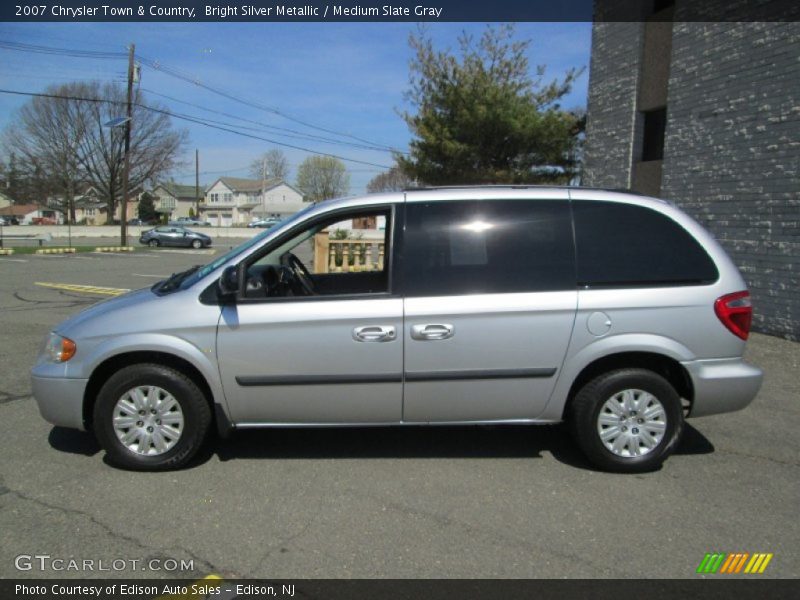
{"points": [[627, 421], [154, 243], [151, 418], [197, 244]]}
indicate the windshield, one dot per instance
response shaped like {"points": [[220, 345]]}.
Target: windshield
{"points": [[198, 274]]}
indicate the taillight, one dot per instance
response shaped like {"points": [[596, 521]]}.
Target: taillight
{"points": [[736, 313]]}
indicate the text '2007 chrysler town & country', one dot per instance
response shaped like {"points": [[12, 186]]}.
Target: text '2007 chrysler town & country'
{"points": [[614, 312]]}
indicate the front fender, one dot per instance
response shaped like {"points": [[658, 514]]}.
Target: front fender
{"points": [[202, 358]]}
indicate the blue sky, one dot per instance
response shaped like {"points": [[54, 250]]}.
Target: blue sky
{"points": [[345, 77]]}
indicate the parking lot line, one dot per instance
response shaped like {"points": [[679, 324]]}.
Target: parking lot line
{"points": [[146, 275], [14, 260], [85, 289]]}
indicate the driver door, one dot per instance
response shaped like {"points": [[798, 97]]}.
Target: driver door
{"points": [[333, 356]]}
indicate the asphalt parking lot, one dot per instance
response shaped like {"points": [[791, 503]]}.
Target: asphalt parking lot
{"points": [[440, 502]]}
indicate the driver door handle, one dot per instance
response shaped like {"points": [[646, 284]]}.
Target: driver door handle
{"points": [[375, 333], [432, 331]]}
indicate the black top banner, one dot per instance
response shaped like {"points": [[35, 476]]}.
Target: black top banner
{"points": [[399, 10]]}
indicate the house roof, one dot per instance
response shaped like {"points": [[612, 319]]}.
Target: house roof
{"points": [[20, 210], [240, 184], [178, 190], [89, 202]]}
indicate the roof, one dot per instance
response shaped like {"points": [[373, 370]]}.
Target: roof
{"points": [[179, 190], [20, 210], [240, 184]]}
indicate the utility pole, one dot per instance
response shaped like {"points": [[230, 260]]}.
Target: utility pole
{"points": [[197, 182], [127, 166]]}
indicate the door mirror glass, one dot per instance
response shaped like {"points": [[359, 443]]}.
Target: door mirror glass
{"points": [[229, 281]]}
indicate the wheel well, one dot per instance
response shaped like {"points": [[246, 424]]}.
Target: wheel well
{"points": [[670, 369], [111, 365]]}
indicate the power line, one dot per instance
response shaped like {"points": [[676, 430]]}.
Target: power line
{"points": [[298, 134], [177, 73], [158, 66], [193, 120], [20, 47]]}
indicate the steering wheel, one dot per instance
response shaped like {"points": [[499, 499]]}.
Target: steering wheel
{"points": [[301, 274]]}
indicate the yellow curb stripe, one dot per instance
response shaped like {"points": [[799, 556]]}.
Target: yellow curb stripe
{"points": [[85, 289], [6, 251], [56, 251], [114, 249]]}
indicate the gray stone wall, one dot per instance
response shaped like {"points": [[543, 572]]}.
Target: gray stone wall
{"points": [[732, 153], [732, 149], [611, 109]]}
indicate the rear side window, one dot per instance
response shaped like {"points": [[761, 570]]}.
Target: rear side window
{"points": [[624, 244], [475, 247]]}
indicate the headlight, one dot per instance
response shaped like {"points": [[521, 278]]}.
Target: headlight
{"points": [[59, 349]]}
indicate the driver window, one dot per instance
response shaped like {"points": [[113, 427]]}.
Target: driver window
{"points": [[339, 256]]}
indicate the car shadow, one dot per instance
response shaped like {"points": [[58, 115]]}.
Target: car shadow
{"points": [[73, 441], [471, 442]]}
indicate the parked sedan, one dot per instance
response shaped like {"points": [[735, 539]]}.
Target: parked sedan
{"points": [[174, 236], [265, 223]]}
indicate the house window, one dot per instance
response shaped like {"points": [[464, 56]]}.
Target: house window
{"points": [[90, 212], [655, 123], [214, 197], [228, 197]]}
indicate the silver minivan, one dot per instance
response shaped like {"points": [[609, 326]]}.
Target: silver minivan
{"points": [[614, 312]]}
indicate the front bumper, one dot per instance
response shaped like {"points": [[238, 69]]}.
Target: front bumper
{"points": [[722, 385], [60, 400]]}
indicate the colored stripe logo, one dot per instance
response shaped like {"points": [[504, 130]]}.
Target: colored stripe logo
{"points": [[734, 563]]}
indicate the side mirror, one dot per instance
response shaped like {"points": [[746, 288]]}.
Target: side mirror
{"points": [[229, 281]]}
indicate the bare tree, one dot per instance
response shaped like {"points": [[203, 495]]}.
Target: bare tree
{"points": [[273, 164], [154, 148], [393, 180], [65, 137], [47, 134], [322, 177]]}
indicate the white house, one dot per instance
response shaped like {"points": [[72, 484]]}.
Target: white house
{"points": [[237, 201], [33, 214]]}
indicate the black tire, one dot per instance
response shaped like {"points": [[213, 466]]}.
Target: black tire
{"points": [[154, 243], [197, 244], [193, 404], [585, 411]]}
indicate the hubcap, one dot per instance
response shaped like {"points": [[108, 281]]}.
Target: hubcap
{"points": [[631, 423], [148, 420]]}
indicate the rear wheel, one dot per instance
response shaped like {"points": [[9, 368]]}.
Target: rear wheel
{"points": [[150, 418], [154, 243], [627, 421]]}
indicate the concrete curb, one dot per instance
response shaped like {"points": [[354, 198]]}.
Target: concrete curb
{"points": [[56, 251], [6, 251], [114, 249]]}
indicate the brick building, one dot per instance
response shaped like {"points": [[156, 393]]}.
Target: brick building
{"points": [[707, 115]]}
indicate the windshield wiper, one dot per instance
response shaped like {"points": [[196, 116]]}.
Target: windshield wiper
{"points": [[173, 281]]}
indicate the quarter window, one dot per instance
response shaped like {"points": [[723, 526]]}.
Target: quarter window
{"points": [[624, 244], [474, 247]]}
